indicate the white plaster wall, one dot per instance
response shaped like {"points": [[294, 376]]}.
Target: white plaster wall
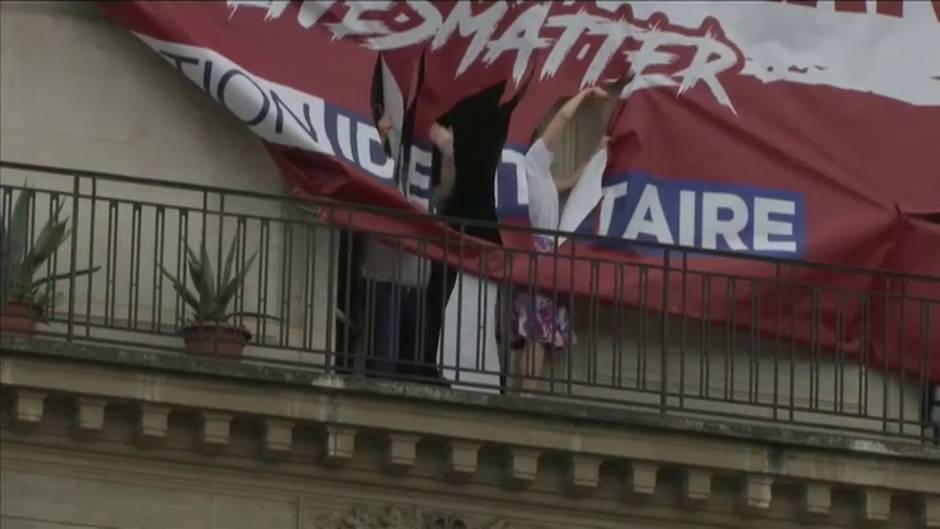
{"points": [[81, 93]]}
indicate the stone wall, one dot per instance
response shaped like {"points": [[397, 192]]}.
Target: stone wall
{"points": [[116, 439]]}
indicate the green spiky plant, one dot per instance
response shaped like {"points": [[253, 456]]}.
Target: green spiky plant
{"points": [[20, 262], [212, 295]]}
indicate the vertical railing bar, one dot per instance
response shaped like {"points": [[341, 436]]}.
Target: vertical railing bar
{"points": [[136, 242], [241, 258], [181, 226], [555, 255], [155, 270], [220, 242], [753, 371], [266, 267], [793, 309], [140, 249], [553, 328], [902, 355], [664, 361], [731, 339], [330, 300], [288, 280], [131, 324], [307, 328], [621, 320], [593, 349], [397, 297], [504, 297], [584, 360], [481, 314], [156, 303], [925, 369], [184, 253], [260, 288], [777, 316], [6, 194], [864, 356], [485, 282], [162, 262], [683, 332], [350, 241], [205, 225], [841, 355], [531, 275], [885, 373], [361, 360], [73, 261], [422, 280], [111, 271], [284, 294], [446, 269], [205, 214], [91, 256], [31, 207], [461, 257], [570, 309], [310, 319], [641, 345], [704, 358], [814, 362], [52, 265]]}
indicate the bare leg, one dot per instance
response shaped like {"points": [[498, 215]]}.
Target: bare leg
{"points": [[531, 361]]}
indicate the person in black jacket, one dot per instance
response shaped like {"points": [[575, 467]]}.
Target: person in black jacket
{"points": [[479, 126]]}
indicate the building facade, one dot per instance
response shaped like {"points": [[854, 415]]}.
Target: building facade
{"points": [[654, 421]]}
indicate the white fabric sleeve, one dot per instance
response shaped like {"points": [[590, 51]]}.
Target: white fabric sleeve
{"points": [[543, 194], [538, 158]]}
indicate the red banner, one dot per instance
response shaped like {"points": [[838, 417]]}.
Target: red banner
{"points": [[786, 130]]}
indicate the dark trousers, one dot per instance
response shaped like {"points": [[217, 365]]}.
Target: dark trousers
{"points": [[393, 326], [441, 284]]}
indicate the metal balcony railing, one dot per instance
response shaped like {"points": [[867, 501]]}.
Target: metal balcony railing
{"points": [[674, 331]]}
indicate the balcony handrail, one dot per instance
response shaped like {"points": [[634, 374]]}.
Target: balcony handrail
{"points": [[327, 203], [659, 329]]}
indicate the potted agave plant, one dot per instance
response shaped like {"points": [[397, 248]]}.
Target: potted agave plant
{"points": [[209, 332], [23, 297]]}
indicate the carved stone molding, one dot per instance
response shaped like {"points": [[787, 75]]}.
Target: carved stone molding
{"points": [[475, 436], [89, 415], [29, 408], [410, 517]]}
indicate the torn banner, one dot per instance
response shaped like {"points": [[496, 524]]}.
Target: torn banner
{"points": [[775, 129]]}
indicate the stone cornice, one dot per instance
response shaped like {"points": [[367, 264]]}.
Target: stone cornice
{"points": [[865, 444], [404, 414]]}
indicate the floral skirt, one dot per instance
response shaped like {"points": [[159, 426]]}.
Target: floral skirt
{"points": [[524, 316]]}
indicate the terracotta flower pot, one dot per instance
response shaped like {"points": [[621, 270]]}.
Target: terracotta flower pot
{"points": [[215, 339], [19, 317]]}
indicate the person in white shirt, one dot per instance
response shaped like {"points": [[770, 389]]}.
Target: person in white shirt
{"points": [[534, 323]]}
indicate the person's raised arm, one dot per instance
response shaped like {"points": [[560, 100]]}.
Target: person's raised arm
{"points": [[567, 184], [552, 134], [443, 139]]}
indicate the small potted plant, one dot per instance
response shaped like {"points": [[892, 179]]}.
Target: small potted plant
{"points": [[209, 332], [23, 298]]}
